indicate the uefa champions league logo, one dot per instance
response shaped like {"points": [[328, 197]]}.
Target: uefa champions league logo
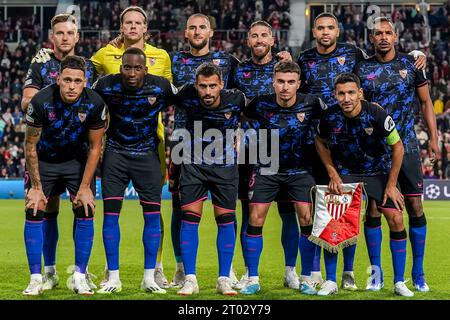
{"points": [[432, 191]]}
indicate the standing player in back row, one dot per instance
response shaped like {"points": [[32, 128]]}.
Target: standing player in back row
{"points": [[254, 77], [61, 119], [184, 64], [391, 80], [135, 99], [320, 66]]}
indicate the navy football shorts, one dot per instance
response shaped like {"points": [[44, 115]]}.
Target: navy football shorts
{"points": [[374, 186], [265, 188], [56, 177], [410, 177], [221, 182], [144, 171]]}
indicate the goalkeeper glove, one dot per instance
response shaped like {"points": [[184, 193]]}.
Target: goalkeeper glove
{"points": [[42, 56]]}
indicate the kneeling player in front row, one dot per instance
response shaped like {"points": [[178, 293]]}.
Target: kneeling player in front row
{"points": [[209, 164], [352, 143], [289, 115], [59, 118]]}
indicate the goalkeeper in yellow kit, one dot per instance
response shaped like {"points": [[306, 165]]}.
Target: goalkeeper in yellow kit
{"points": [[107, 60]]}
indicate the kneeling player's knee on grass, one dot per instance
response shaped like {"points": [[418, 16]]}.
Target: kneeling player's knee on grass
{"points": [[31, 217], [80, 213], [414, 206]]}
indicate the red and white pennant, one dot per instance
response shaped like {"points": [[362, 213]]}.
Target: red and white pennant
{"points": [[337, 217]]}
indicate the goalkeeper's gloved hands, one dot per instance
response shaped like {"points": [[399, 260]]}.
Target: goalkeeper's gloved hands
{"points": [[42, 56]]}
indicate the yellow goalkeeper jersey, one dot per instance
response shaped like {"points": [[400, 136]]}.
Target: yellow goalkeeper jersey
{"points": [[108, 60]]}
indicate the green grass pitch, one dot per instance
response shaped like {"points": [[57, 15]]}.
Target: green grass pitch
{"points": [[14, 274]]}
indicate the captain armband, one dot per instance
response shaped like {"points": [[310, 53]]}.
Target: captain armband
{"points": [[393, 137]]}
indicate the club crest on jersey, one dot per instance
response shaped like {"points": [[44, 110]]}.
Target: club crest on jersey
{"points": [[216, 62], [82, 116], [152, 100], [152, 61], [369, 131], [53, 74], [403, 73], [341, 60], [117, 57], [311, 64], [228, 115], [301, 116], [51, 114], [247, 75]]}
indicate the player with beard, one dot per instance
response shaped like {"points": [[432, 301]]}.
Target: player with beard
{"points": [[213, 169], [391, 80], [320, 66], [184, 64], [254, 77]]}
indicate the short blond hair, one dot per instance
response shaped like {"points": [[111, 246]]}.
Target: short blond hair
{"points": [[64, 17]]}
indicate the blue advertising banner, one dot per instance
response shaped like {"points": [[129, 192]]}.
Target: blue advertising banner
{"points": [[13, 189]]}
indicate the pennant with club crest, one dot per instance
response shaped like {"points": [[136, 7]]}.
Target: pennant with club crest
{"points": [[337, 217]]}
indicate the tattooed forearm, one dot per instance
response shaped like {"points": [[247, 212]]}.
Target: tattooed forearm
{"points": [[31, 139]]}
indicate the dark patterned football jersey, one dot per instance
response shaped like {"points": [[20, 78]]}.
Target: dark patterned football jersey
{"points": [[184, 66], [318, 71], [293, 125], [64, 126], [358, 145], [393, 86], [41, 75], [211, 125], [254, 79], [134, 114]]}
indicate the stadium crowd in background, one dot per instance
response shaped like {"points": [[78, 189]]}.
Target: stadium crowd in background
{"points": [[166, 23]]}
